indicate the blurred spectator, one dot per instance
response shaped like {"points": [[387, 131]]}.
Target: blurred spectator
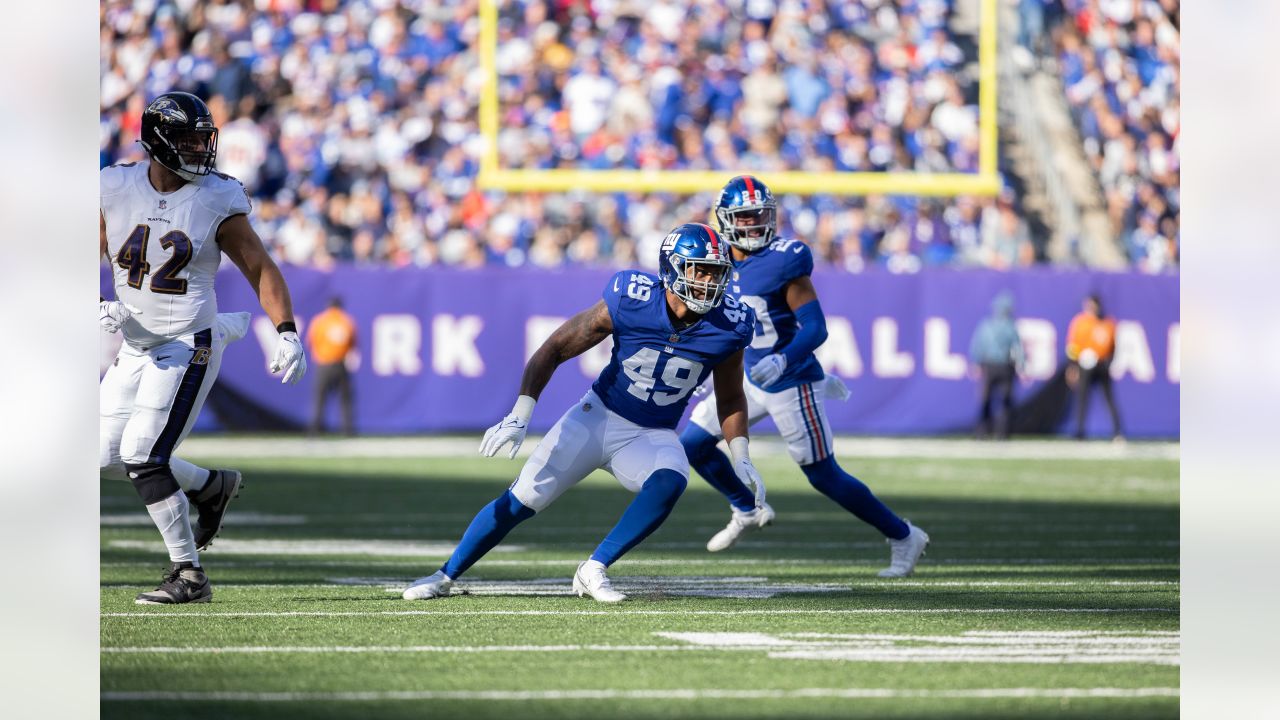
{"points": [[331, 339], [1120, 66], [1091, 343], [996, 350], [372, 105]]}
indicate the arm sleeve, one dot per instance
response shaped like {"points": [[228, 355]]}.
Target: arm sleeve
{"points": [[614, 291], [975, 343], [812, 332], [238, 202], [799, 261], [1019, 355], [1073, 342]]}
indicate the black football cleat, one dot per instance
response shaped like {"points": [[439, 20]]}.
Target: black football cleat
{"points": [[211, 502], [183, 583]]}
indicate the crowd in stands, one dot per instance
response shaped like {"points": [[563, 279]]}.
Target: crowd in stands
{"points": [[1119, 61], [354, 123]]}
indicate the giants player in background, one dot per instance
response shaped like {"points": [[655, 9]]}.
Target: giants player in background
{"points": [[771, 276], [165, 223]]}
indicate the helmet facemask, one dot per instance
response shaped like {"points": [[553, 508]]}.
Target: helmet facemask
{"points": [[189, 153], [750, 227], [708, 277]]}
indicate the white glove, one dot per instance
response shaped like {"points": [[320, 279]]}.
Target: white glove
{"points": [[703, 389], [113, 313], [745, 469], [767, 371], [289, 357], [510, 430], [834, 388]]}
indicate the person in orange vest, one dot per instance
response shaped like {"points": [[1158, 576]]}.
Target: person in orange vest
{"points": [[331, 337], [1091, 343]]}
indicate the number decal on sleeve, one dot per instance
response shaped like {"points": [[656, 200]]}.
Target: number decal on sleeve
{"points": [[766, 335], [679, 373], [639, 287], [133, 258]]}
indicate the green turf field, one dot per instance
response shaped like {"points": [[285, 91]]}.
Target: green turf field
{"points": [[1050, 590]]}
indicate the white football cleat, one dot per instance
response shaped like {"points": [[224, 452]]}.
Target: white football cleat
{"points": [[591, 580], [434, 586], [738, 524], [904, 553]]}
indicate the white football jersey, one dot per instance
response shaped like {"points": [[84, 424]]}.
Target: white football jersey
{"points": [[163, 248]]}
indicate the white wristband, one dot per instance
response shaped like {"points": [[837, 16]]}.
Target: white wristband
{"points": [[738, 448], [523, 408]]}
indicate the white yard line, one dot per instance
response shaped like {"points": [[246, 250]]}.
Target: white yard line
{"points": [[1053, 654], [441, 550], [1079, 647], [888, 584], [672, 694], [853, 447], [683, 613]]}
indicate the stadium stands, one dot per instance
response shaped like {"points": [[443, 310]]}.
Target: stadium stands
{"points": [[354, 123], [1119, 63]]}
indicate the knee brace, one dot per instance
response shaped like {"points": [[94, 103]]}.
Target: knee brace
{"points": [[153, 481]]}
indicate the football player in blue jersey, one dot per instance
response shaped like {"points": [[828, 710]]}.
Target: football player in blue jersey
{"points": [[771, 276], [670, 331]]}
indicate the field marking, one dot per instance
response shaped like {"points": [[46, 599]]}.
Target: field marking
{"points": [[778, 611], [991, 647], [570, 562], [717, 586], [390, 548], [1080, 647], [404, 548], [765, 446], [249, 518], [672, 694], [888, 584]]}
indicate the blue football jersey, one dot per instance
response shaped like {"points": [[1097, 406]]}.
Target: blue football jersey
{"points": [[760, 282], [654, 367]]}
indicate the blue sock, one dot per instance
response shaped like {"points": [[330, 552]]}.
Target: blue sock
{"points": [[852, 495], [714, 467], [657, 497], [490, 525]]}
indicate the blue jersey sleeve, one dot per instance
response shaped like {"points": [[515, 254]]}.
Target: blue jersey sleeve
{"points": [[799, 261], [614, 291]]}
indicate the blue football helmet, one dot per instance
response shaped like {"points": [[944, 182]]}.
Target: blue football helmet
{"points": [[694, 262], [745, 197]]}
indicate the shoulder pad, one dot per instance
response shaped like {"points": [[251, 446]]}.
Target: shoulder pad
{"points": [[226, 195], [113, 178]]}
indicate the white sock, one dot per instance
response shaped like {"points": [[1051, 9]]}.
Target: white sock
{"points": [[190, 477], [171, 518]]}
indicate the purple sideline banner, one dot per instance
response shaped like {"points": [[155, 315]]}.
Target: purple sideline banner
{"points": [[443, 350]]}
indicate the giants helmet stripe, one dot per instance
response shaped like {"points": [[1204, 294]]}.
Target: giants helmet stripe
{"points": [[715, 240]]}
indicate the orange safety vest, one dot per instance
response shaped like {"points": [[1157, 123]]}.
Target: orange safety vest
{"points": [[1088, 332], [330, 336]]}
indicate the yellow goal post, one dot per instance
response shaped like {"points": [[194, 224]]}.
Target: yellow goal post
{"points": [[986, 181]]}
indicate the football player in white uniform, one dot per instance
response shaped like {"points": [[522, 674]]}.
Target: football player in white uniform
{"points": [[165, 223]]}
